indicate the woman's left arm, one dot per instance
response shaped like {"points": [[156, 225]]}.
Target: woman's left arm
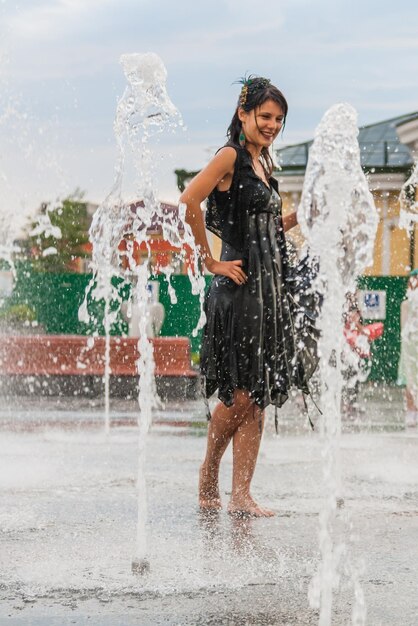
{"points": [[289, 221]]}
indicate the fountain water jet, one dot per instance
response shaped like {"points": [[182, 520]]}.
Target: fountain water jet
{"points": [[339, 220], [408, 201], [144, 111], [409, 309]]}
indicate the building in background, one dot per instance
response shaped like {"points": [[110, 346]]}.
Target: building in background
{"points": [[72, 251], [163, 254]]}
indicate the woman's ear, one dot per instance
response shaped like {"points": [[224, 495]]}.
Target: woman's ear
{"points": [[241, 114]]}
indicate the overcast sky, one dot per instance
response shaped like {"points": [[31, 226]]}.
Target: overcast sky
{"points": [[60, 77]]}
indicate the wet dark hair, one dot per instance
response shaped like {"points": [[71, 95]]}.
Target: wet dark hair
{"points": [[255, 91]]}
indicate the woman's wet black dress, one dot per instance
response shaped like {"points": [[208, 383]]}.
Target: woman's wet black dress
{"points": [[259, 336]]}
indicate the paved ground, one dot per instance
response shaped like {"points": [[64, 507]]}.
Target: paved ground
{"points": [[68, 519]]}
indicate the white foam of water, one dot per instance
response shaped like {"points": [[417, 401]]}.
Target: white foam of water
{"points": [[28, 145], [409, 332], [408, 200], [144, 111], [408, 366], [339, 220]]}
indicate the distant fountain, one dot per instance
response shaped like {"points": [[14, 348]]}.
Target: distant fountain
{"points": [[408, 201], [339, 220], [144, 111], [408, 219]]}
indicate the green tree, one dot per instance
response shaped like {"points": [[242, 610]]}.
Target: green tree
{"points": [[63, 229]]}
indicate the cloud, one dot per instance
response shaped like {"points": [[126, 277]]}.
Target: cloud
{"points": [[64, 65], [378, 44], [48, 20], [76, 38]]}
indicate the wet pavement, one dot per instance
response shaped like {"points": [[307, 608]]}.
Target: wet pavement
{"points": [[68, 519]]}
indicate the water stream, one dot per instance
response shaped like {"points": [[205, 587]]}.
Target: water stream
{"points": [[143, 112], [408, 200], [339, 220]]}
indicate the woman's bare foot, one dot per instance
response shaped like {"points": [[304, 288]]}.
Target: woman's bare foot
{"points": [[246, 506], [209, 498]]}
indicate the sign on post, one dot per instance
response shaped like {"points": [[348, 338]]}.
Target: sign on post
{"points": [[372, 304]]}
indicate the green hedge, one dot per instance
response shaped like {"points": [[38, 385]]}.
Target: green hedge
{"points": [[56, 299], [386, 349]]}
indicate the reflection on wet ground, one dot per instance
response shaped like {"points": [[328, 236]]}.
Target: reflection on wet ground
{"points": [[380, 408], [68, 519]]}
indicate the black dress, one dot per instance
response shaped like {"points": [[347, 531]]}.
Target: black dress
{"points": [[259, 336]]}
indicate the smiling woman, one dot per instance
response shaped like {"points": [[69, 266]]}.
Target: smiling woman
{"points": [[251, 352]]}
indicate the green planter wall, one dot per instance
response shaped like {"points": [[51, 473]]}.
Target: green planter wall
{"points": [[56, 299], [386, 349]]}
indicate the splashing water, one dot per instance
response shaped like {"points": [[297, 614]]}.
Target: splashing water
{"points": [[408, 201], [408, 365], [31, 159], [143, 111], [339, 221], [17, 209]]}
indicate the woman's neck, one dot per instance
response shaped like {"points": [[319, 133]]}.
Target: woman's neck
{"points": [[255, 151]]}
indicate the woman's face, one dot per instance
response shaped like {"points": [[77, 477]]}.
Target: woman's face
{"points": [[262, 125]]}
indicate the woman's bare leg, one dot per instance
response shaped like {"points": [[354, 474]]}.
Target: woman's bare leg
{"points": [[222, 425], [410, 402], [411, 409], [246, 444]]}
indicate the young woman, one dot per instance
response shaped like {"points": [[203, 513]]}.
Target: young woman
{"points": [[251, 348]]}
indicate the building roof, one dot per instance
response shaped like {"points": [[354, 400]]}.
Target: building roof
{"points": [[380, 148]]}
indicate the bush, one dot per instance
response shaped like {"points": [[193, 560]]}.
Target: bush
{"points": [[17, 314], [72, 221]]}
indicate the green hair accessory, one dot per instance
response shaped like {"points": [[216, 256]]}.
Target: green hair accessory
{"points": [[251, 84]]}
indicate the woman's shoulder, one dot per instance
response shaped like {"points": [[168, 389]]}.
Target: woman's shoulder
{"points": [[225, 161], [237, 157], [228, 152]]}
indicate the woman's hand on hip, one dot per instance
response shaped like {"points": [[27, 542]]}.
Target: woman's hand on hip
{"points": [[231, 269]]}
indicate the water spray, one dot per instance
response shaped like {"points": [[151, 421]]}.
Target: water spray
{"points": [[121, 243], [339, 220]]}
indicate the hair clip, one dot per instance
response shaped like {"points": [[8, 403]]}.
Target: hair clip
{"points": [[251, 84]]}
